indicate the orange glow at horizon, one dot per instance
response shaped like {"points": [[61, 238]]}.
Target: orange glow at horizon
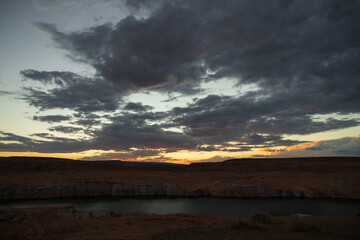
{"points": [[180, 157], [74, 156], [273, 151]]}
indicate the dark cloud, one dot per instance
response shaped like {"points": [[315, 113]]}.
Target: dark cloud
{"points": [[248, 118], [4, 93], [51, 137], [140, 118], [42, 135], [341, 147], [141, 130], [62, 145], [68, 4], [300, 125], [205, 104], [184, 88], [88, 122], [138, 53], [209, 148], [55, 4], [52, 118], [73, 92], [302, 56], [347, 146], [12, 147], [141, 4], [285, 3], [266, 141], [124, 132], [281, 44], [137, 107], [65, 129], [306, 52], [256, 141], [87, 119], [51, 143], [124, 135], [54, 77], [21, 143]]}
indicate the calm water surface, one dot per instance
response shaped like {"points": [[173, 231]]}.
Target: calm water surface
{"points": [[224, 207]]}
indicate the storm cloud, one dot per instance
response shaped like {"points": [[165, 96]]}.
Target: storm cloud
{"points": [[50, 144], [51, 118], [303, 58], [286, 43], [73, 92], [237, 118], [65, 129], [137, 107], [125, 134]]}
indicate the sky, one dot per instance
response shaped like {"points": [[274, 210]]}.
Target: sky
{"points": [[178, 80]]}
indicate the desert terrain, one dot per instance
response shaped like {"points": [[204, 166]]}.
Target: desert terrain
{"points": [[336, 177], [65, 222], [41, 178]]}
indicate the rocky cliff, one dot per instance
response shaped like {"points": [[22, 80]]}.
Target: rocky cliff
{"points": [[29, 178], [35, 191]]}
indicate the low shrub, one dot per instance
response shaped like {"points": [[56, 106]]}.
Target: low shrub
{"points": [[239, 223], [300, 226], [260, 218], [279, 213]]}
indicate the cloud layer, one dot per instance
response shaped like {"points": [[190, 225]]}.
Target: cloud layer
{"points": [[302, 56]]}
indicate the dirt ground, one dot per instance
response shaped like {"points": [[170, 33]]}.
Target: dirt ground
{"points": [[55, 222], [65, 222], [338, 175]]}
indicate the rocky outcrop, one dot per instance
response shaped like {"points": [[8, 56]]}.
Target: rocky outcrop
{"points": [[88, 189], [64, 211]]}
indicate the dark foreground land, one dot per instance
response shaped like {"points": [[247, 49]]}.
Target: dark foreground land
{"points": [[36, 178], [65, 222], [337, 177]]}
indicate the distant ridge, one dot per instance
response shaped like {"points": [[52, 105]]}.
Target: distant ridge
{"points": [[136, 163], [37, 158], [291, 158], [30, 164], [279, 163]]}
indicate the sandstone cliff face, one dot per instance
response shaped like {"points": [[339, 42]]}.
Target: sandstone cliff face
{"points": [[39, 178], [88, 189]]}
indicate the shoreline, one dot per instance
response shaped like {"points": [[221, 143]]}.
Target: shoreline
{"points": [[63, 221]]}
